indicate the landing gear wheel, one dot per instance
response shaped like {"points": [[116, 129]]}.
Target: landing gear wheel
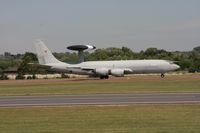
{"points": [[104, 77], [162, 75], [101, 77]]}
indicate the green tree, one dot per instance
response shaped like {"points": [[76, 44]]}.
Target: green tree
{"points": [[25, 68]]}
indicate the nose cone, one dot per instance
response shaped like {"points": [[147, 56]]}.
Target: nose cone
{"points": [[175, 67]]}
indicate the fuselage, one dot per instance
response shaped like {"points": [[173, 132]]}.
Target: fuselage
{"points": [[136, 66]]}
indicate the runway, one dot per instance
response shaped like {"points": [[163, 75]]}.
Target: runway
{"points": [[100, 99]]}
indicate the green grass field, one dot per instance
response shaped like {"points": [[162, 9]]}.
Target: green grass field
{"points": [[136, 118], [102, 119], [121, 85]]}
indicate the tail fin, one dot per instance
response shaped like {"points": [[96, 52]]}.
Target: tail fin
{"points": [[44, 55]]}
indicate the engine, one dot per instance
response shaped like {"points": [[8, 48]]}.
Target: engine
{"points": [[117, 72], [102, 71]]}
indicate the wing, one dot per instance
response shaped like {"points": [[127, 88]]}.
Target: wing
{"points": [[126, 70], [81, 68]]}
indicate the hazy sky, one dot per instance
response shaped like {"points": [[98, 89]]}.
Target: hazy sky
{"points": [[137, 24]]}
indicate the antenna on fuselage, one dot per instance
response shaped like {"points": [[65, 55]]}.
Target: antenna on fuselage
{"points": [[81, 49]]}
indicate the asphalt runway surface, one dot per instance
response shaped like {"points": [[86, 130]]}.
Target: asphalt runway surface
{"points": [[100, 99]]}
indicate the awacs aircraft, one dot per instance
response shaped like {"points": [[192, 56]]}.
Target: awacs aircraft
{"points": [[103, 69]]}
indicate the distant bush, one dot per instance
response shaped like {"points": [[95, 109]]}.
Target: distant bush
{"points": [[18, 77], [64, 76], [191, 70], [4, 77], [29, 77], [34, 77]]}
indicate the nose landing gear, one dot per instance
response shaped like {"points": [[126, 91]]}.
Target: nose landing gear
{"points": [[162, 75]]}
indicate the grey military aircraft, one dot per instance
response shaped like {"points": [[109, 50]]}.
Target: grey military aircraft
{"points": [[102, 69]]}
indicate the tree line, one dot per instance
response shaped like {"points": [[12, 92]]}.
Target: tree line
{"points": [[188, 61]]}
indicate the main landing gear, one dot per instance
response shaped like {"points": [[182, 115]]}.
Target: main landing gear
{"points": [[162, 75], [104, 77]]}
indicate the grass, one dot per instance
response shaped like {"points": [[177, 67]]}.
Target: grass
{"points": [[121, 85], [102, 119]]}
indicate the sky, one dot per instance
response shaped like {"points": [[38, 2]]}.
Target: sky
{"points": [[172, 25]]}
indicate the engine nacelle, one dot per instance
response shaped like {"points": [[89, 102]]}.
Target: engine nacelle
{"points": [[117, 72], [102, 71]]}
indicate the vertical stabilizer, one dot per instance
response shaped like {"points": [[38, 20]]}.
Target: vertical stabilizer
{"points": [[44, 54]]}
